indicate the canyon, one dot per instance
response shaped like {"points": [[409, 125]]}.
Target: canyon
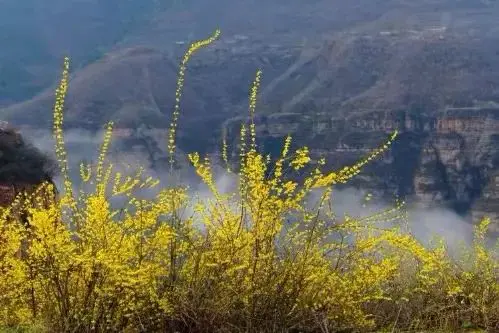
{"points": [[340, 86]]}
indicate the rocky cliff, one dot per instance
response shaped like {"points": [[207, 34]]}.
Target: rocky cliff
{"points": [[437, 87], [22, 170]]}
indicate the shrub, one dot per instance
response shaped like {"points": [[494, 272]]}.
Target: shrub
{"points": [[268, 258]]}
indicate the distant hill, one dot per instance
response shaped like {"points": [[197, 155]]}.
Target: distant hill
{"points": [[36, 35]]}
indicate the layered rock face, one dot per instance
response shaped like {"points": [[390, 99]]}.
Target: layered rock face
{"points": [[437, 88], [449, 159]]}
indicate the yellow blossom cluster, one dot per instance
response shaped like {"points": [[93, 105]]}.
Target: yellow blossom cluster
{"points": [[180, 84], [263, 258]]}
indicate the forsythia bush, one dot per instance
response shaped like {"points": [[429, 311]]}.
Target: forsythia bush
{"points": [[268, 258]]}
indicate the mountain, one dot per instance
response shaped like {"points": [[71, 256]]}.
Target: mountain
{"points": [[339, 76], [23, 168], [35, 35]]}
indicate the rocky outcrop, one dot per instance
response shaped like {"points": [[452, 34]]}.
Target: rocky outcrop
{"points": [[450, 158], [23, 169]]}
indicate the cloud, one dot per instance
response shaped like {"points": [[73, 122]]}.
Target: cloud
{"points": [[423, 223], [83, 145]]}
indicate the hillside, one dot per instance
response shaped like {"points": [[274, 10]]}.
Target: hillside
{"points": [[36, 35], [338, 76], [22, 169]]}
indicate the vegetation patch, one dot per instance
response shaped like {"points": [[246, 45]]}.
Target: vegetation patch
{"points": [[271, 256]]}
